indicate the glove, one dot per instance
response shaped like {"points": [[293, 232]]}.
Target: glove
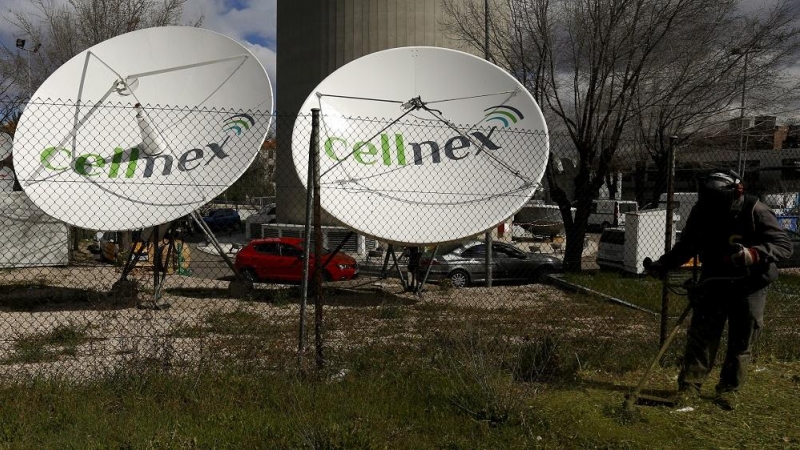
{"points": [[655, 268], [746, 256]]}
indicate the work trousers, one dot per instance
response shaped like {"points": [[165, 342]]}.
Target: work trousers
{"points": [[744, 312]]}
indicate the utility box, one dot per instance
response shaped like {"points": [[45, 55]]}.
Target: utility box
{"points": [[30, 238], [644, 238]]}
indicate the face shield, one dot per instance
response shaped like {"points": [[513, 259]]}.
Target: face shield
{"points": [[717, 191]]}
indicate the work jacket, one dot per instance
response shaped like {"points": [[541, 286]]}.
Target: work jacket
{"points": [[717, 237]]}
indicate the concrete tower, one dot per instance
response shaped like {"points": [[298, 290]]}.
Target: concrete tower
{"points": [[316, 37]]}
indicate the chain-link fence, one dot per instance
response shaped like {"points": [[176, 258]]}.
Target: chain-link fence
{"points": [[169, 226]]}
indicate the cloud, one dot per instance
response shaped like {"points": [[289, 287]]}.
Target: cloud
{"points": [[8, 32], [251, 23], [267, 58]]}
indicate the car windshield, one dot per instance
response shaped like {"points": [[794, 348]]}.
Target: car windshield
{"points": [[325, 251], [447, 248]]}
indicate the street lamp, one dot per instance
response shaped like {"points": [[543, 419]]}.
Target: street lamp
{"points": [[740, 158], [21, 46]]}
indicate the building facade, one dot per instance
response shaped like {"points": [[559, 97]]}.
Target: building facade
{"points": [[316, 37]]}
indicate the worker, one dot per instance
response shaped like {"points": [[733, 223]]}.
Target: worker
{"points": [[738, 240]]}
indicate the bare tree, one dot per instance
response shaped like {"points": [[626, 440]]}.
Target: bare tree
{"points": [[257, 180], [696, 78], [587, 62], [66, 30]]}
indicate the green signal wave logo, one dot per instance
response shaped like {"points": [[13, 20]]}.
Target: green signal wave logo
{"points": [[507, 115], [238, 123]]}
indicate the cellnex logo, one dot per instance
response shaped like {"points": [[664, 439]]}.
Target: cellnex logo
{"points": [[504, 114], [394, 149], [125, 163]]}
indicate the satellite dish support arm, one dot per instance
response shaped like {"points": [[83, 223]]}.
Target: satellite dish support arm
{"points": [[337, 250], [213, 240], [427, 272]]}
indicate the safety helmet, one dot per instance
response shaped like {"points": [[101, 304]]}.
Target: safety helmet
{"points": [[719, 189]]}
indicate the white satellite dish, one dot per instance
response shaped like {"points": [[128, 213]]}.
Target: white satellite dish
{"points": [[423, 145], [143, 128]]}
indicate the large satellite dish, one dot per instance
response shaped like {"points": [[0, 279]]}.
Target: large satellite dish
{"points": [[423, 145], [143, 128]]}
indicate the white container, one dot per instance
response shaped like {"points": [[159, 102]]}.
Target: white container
{"points": [[30, 237], [644, 238]]}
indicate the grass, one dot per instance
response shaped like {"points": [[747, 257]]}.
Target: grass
{"points": [[547, 371], [640, 291], [778, 338], [63, 340], [647, 291], [463, 396]]}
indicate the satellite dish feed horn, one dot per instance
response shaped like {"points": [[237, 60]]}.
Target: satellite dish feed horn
{"points": [[152, 144]]}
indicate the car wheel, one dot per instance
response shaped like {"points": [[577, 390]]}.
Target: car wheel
{"points": [[541, 274], [326, 276], [249, 274], [459, 278]]}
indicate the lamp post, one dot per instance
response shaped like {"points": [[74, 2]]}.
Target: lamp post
{"points": [[21, 46], [740, 158], [488, 236]]}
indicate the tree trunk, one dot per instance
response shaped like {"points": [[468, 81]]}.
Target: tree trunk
{"points": [[639, 186], [662, 172]]}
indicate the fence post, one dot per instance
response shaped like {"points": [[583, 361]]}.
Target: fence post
{"points": [[668, 235], [488, 258], [313, 143], [317, 241]]}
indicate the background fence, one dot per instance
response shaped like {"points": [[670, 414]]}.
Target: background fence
{"points": [[63, 311]]}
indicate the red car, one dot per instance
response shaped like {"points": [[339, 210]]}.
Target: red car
{"points": [[281, 259]]}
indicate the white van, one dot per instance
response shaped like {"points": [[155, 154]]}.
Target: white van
{"points": [[611, 249], [626, 248], [603, 212], [682, 205]]}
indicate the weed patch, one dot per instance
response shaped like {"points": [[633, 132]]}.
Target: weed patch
{"points": [[63, 340]]}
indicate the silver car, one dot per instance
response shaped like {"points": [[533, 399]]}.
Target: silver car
{"points": [[465, 263]]}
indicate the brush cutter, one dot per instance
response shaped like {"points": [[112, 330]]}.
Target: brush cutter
{"points": [[636, 396]]}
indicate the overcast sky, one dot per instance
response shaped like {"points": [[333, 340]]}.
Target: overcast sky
{"points": [[250, 22]]}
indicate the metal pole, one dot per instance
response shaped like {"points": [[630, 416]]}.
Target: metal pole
{"points": [[668, 235], [307, 232], [212, 239], [488, 236], [427, 271], [156, 264], [486, 29], [740, 158], [317, 252], [488, 258], [30, 81]]}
